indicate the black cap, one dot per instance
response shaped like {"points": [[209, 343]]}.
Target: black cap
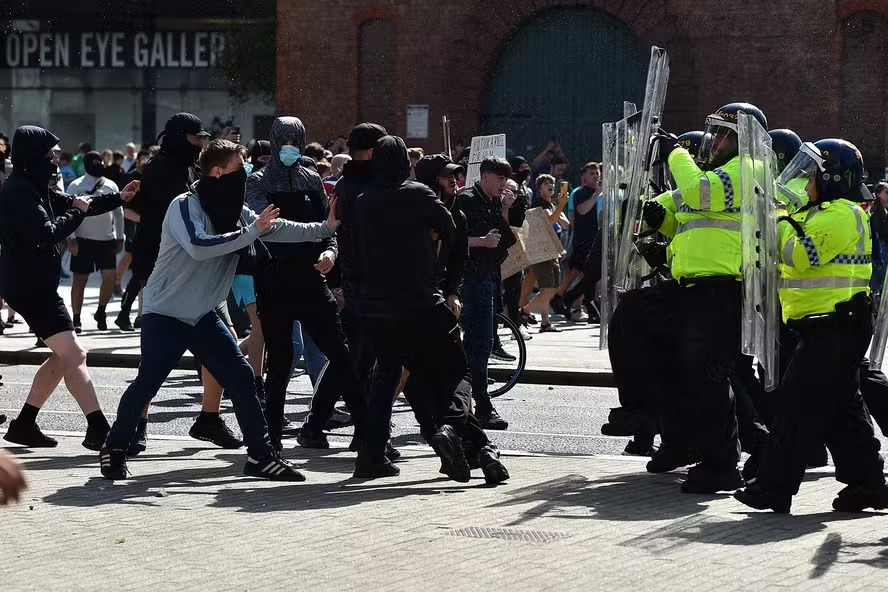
{"points": [[430, 167], [185, 123], [365, 135]]}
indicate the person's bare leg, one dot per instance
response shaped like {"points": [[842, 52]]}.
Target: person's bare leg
{"points": [[405, 374], [78, 286], [256, 350], [540, 303], [72, 362], [46, 381], [571, 275], [526, 288], [107, 288], [122, 267]]}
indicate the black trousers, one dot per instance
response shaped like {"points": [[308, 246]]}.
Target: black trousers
{"points": [[750, 396], [874, 388], [591, 276], [819, 401], [512, 296], [427, 344], [315, 308]]}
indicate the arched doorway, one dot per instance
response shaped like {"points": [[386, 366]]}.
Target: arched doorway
{"points": [[561, 76]]}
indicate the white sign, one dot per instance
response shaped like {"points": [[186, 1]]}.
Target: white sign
{"points": [[484, 147], [418, 121]]}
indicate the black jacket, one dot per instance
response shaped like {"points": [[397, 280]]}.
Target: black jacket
{"points": [[32, 224], [165, 177], [356, 177], [394, 255], [452, 260], [483, 214]]}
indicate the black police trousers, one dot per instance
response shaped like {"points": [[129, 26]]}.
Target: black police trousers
{"points": [[427, 344], [819, 401]]}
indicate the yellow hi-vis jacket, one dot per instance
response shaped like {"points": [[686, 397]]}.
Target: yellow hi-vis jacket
{"points": [[707, 234], [830, 264]]}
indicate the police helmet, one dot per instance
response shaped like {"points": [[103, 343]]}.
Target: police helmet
{"points": [[719, 143], [786, 144]]}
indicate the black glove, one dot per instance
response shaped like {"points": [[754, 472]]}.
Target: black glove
{"points": [[666, 143], [653, 213], [654, 253]]}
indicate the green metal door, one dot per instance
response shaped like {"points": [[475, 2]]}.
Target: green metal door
{"points": [[561, 76]]}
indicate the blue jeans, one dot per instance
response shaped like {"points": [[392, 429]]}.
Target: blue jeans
{"points": [[164, 340], [304, 346], [479, 297]]}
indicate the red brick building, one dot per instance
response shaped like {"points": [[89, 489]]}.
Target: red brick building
{"points": [[541, 68]]}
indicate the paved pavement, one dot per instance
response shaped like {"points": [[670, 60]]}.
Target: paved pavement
{"points": [[569, 357], [187, 520]]}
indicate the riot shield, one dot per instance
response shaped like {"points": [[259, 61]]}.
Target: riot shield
{"points": [[760, 247], [630, 268], [880, 331]]}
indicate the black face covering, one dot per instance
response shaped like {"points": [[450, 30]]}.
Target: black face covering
{"points": [[92, 164], [223, 199]]}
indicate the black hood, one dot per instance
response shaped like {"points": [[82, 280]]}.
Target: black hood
{"points": [[174, 142], [390, 163], [30, 144], [93, 165], [260, 148]]}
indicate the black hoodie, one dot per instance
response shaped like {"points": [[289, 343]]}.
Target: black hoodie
{"points": [[34, 219], [394, 255]]}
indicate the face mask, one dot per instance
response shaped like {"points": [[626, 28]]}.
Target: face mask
{"points": [[289, 155], [223, 199], [249, 168], [523, 176]]}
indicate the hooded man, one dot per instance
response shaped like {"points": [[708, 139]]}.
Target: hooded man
{"points": [[260, 154], [33, 221], [96, 242], [401, 307], [169, 174], [290, 286]]}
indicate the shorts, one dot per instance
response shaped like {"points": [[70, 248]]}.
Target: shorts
{"points": [[93, 255], [46, 315], [577, 259], [244, 290], [547, 273], [129, 229]]}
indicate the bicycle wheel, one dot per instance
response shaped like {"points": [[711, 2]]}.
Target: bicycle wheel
{"points": [[505, 370]]}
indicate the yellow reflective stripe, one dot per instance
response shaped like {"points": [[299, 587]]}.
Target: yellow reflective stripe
{"points": [[732, 225], [705, 193], [787, 251], [822, 282]]}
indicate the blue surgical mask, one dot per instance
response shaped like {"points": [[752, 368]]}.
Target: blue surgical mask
{"points": [[289, 155], [249, 168]]}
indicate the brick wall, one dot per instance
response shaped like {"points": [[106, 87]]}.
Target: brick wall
{"points": [[790, 57]]}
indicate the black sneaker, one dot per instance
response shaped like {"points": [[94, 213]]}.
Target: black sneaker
{"points": [[750, 469], [339, 419], [706, 481], [559, 307], [95, 438], [101, 321], [138, 323], [758, 498], [528, 319], [635, 448], [668, 458], [492, 420], [213, 429], [140, 441], [448, 446], [494, 470], [308, 438], [78, 326], [549, 328], [375, 469], [273, 468], [113, 464], [498, 353], [28, 435], [857, 498], [391, 452], [123, 322]]}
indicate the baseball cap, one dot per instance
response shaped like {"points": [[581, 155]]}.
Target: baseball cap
{"points": [[365, 135], [432, 166], [185, 123]]}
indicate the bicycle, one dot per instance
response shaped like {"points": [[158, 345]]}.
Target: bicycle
{"points": [[506, 373]]}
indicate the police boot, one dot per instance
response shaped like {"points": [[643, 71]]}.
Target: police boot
{"points": [[757, 497], [668, 458], [494, 470], [750, 468], [708, 481], [857, 498]]}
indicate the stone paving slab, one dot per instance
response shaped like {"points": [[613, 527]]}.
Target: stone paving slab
{"points": [[186, 520]]}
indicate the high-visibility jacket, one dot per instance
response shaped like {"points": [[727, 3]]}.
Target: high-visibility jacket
{"points": [[670, 201], [829, 264], [707, 235]]}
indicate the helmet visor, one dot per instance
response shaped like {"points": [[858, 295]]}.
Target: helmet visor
{"points": [[794, 178], [719, 142]]}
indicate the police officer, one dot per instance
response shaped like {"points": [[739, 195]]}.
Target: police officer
{"points": [[705, 260], [824, 294]]}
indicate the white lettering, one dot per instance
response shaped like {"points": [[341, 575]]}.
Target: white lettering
{"points": [[63, 50], [13, 51], [30, 48], [183, 51], [117, 60], [217, 45], [85, 60], [46, 50], [200, 50], [157, 59], [140, 50], [171, 61], [102, 40]]}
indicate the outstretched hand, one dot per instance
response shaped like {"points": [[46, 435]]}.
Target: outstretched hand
{"points": [[266, 219], [130, 191]]}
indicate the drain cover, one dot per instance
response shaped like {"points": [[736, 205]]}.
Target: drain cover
{"points": [[508, 534]]}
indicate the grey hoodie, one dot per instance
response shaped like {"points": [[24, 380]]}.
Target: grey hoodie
{"points": [[195, 266]]}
